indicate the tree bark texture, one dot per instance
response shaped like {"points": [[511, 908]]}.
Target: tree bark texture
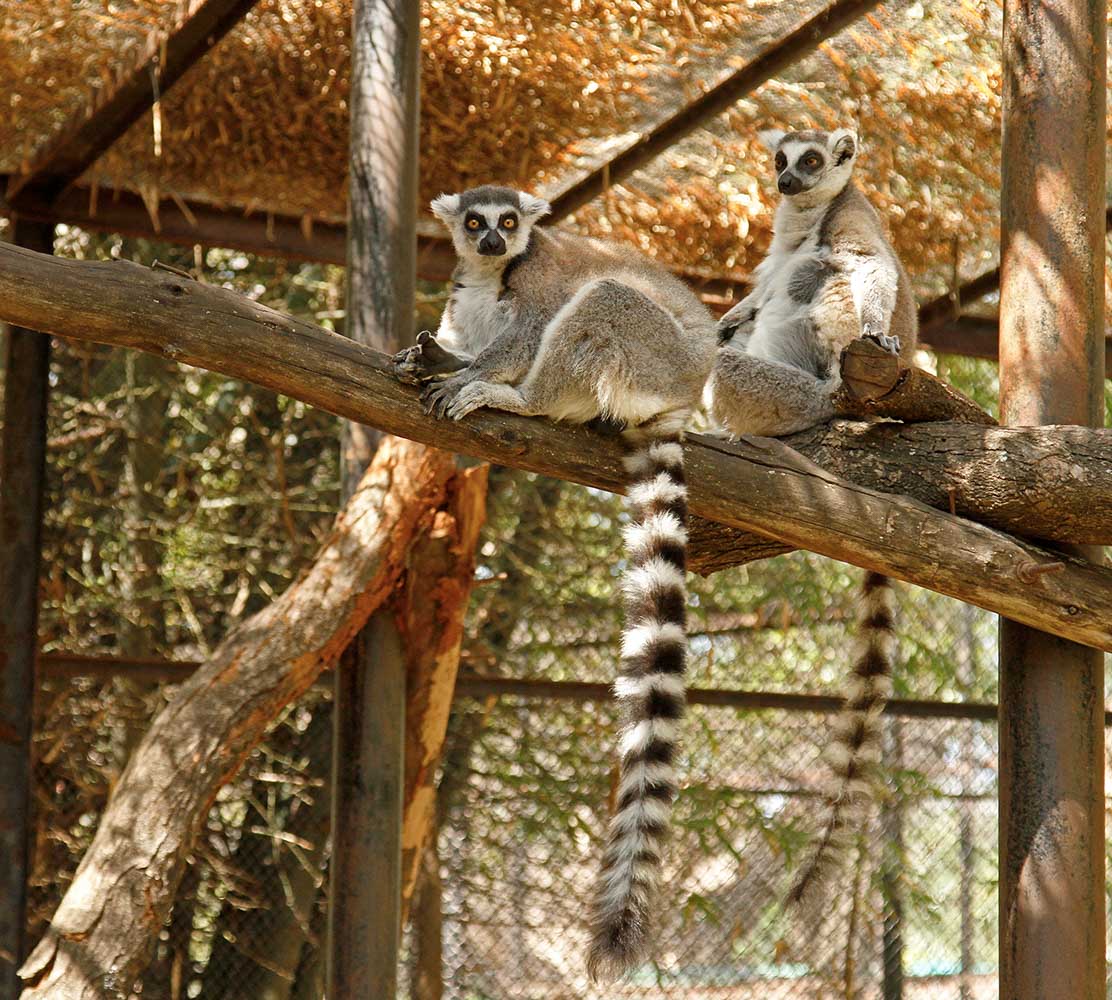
{"points": [[876, 384], [1053, 483], [429, 610], [757, 484], [104, 929]]}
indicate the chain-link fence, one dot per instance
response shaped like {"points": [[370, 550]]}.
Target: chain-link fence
{"points": [[911, 914], [527, 783], [524, 797]]}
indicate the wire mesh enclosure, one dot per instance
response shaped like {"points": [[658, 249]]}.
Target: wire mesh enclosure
{"points": [[525, 792], [911, 914], [526, 782], [523, 801]]}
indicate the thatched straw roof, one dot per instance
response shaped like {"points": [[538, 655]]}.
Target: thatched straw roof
{"points": [[533, 92]]}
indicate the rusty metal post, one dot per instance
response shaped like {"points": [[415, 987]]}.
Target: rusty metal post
{"points": [[26, 380], [1052, 922], [369, 741]]}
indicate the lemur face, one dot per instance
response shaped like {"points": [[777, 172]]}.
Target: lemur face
{"points": [[812, 166], [490, 223]]}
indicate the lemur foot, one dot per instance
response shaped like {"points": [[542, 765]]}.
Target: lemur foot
{"points": [[424, 361], [890, 344]]}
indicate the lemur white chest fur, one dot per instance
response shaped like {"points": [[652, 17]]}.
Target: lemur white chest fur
{"points": [[795, 242], [477, 313]]}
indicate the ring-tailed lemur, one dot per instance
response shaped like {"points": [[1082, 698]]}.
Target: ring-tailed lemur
{"points": [[830, 277], [546, 323]]}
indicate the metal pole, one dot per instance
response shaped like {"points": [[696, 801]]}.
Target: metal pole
{"points": [[26, 380], [369, 742], [1051, 336]]}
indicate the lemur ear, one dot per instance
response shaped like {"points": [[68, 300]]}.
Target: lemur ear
{"points": [[770, 138], [532, 207], [446, 207], [843, 145]]}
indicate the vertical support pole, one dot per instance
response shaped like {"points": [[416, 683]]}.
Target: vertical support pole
{"points": [[1051, 337], [368, 764], [22, 467], [892, 866]]}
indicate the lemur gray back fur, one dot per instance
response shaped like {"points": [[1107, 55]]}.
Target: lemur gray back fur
{"points": [[546, 323], [830, 276]]}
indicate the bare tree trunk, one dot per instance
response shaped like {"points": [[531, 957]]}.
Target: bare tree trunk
{"points": [[429, 610], [102, 934], [428, 925]]}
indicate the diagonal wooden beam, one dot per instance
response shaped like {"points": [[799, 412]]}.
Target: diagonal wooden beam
{"points": [[271, 234], [941, 310], [788, 50], [114, 109]]}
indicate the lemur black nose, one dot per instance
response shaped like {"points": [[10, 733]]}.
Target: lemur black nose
{"points": [[492, 245], [789, 184]]}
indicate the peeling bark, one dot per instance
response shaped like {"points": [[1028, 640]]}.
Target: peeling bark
{"points": [[429, 610], [103, 932]]}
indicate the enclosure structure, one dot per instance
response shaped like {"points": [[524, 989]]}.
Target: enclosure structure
{"points": [[1061, 594]]}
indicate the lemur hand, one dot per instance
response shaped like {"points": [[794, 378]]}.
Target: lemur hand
{"points": [[424, 361], [438, 397], [738, 321], [890, 344]]}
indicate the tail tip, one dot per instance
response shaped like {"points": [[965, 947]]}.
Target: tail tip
{"points": [[612, 955], [806, 892]]}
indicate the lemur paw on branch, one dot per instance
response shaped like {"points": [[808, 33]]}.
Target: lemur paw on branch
{"points": [[546, 323], [830, 277]]}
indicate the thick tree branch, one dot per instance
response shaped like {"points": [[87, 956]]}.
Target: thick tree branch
{"points": [[108, 921], [430, 607], [876, 383], [1053, 483], [758, 485]]}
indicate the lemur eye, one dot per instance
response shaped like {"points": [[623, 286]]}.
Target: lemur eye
{"points": [[509, 222], [472, 223], [781, 161], [811, 160]]}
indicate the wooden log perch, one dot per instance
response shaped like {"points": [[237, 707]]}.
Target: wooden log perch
{"points": [[102, 933], [757, 485], [1053, 483], [876, 383]]}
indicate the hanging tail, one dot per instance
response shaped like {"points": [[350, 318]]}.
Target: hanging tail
{"points": [[650, 691], [854, 754]]}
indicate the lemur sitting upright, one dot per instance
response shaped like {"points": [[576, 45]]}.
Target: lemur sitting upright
{"points": [[830, 277], [547, 323]]}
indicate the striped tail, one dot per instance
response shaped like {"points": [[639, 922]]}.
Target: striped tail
{"points": [[651, 693], [854, 754]]}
